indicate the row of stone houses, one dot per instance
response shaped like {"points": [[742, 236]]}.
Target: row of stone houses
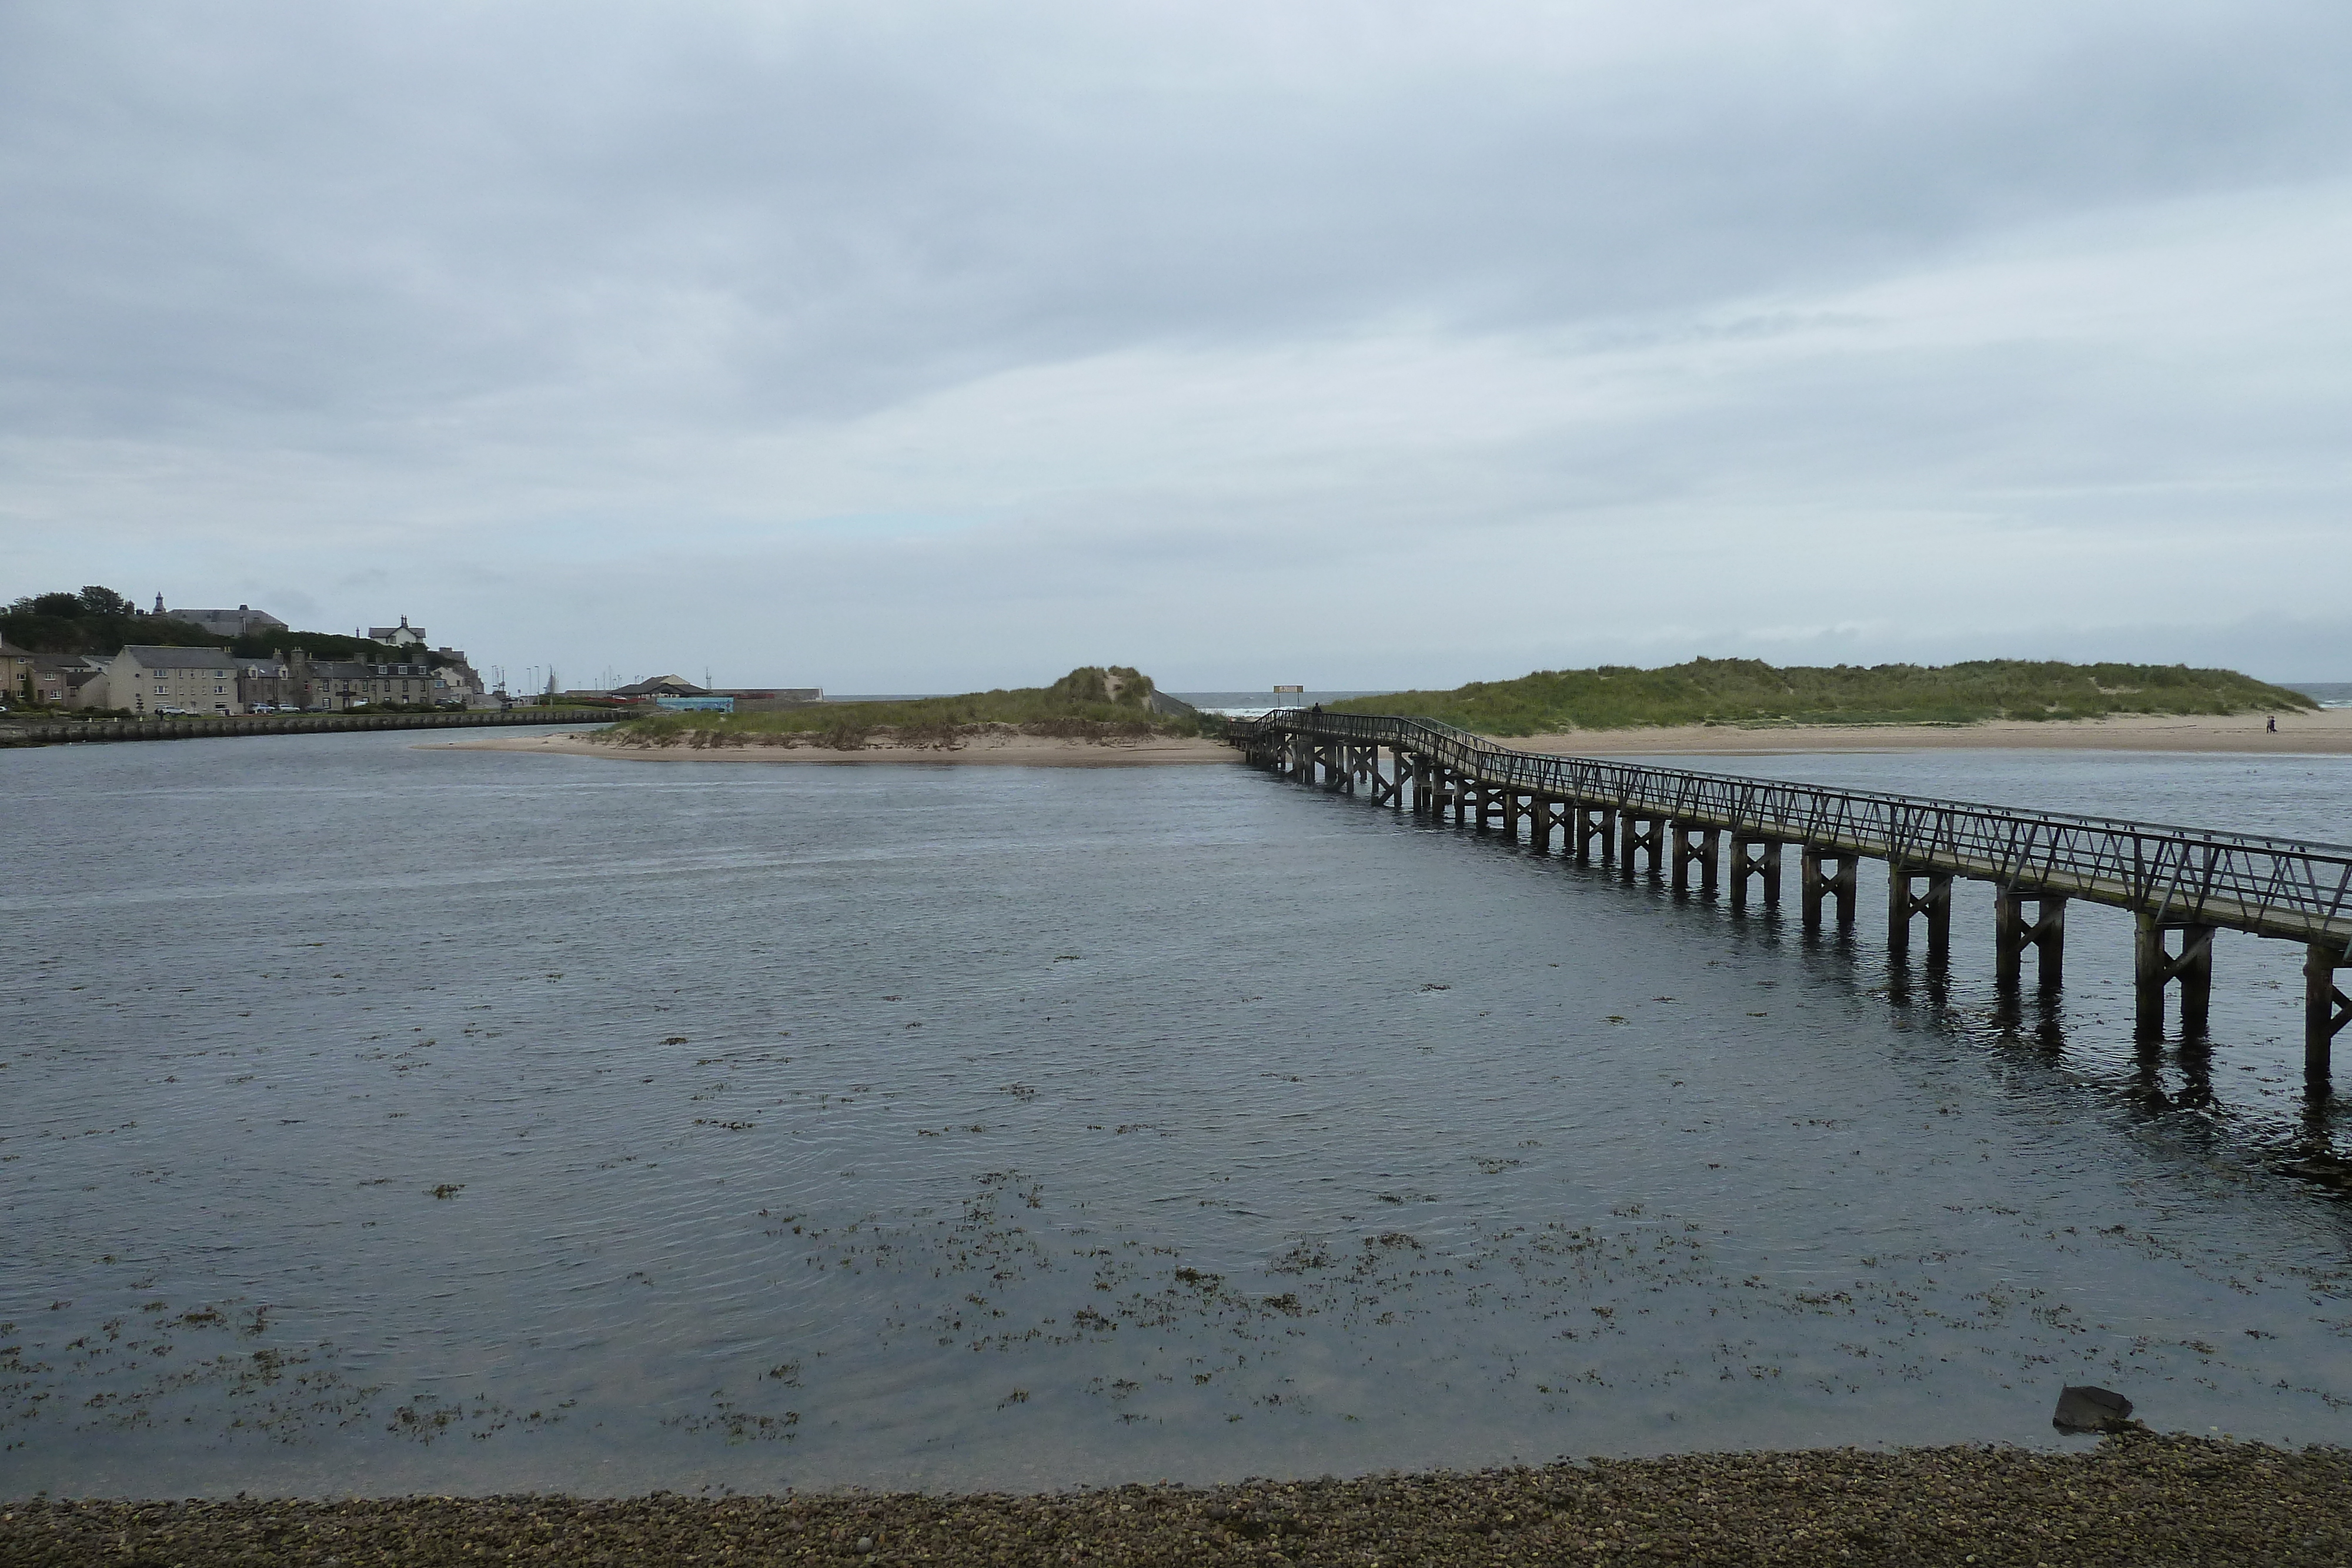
{"points": [[147, 680]]}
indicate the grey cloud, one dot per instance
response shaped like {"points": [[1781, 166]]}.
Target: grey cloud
{"points": [[647, 287], [340, 210]]}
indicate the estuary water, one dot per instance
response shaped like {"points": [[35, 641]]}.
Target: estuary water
{"points": [[377, 1118]]}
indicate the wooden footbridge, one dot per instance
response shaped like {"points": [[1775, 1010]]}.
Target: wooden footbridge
{"points": [[2181, 886]]}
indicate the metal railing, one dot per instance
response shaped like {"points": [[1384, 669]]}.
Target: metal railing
{"points": [[2275, 887]]}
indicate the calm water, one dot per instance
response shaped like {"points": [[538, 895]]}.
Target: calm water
{"points": [[383, 1119]]}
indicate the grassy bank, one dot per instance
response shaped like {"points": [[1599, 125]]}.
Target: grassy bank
{"points": [[2137, 1501], [1091, 703], [1751, 692]]}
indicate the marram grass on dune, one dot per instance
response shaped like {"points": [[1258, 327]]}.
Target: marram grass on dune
{"points": [[1751, 692], [1092, 702]]}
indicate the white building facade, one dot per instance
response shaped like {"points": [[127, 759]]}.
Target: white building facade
{"points": [[150, 680]]}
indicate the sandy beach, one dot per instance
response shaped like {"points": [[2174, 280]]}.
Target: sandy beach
{"points": [[1014, 750]]}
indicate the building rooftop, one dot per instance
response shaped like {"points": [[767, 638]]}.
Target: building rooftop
{"points": [[228, 623], [671, 686], [179, 658]]}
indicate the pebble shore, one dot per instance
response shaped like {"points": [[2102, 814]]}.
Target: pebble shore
{"points": [[2138, 1497]]}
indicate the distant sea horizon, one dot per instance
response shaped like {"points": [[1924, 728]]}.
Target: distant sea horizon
{"points": [[2327, 693]]}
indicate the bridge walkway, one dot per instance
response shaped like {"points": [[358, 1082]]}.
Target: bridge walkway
{"points": [[2180, 885]]}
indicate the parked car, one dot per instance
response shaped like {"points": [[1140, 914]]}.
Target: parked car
{"points": [[175, 713]]}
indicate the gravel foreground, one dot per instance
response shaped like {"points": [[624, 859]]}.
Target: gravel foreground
{"points": [[2138, 1498]]}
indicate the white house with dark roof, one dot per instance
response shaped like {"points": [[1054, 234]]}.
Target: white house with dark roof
{"points": [[401, 636], [191, 680]]}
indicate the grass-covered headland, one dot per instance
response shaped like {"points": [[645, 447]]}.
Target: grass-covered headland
{"points": [[1751, 692], [1093, 703]]}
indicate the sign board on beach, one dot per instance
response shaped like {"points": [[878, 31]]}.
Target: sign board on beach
{"points": [[1290, 691]]}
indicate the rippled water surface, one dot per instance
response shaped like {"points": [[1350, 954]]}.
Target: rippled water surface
{"points": [[380, 1118]]}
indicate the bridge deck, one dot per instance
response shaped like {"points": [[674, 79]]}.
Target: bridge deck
{"points": [[2281, 888]]}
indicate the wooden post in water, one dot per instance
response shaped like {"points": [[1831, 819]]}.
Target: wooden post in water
{"points": [[1765, 865], [1816, 884], [2012, 934], [2325, 1009], [1638, 831], [2154, 967], [1695, 845], [1539, 821], [1902, 903], [1592, 822]]}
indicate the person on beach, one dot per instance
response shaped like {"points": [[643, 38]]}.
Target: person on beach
{"points": [[2270, 725]]}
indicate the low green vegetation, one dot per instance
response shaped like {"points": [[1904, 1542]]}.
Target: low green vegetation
{"points": [[1751, 692], [1092, 702], [98, 620]]}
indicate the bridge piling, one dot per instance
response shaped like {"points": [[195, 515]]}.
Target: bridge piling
{"points": [[2325, 1009], [1902, 903], [1590, 823], [1816, 883], [2155, 965], [1639, 830], [1695, 845], [2012, 934], [2171, 880], [1764, 865], [1539, 824]]}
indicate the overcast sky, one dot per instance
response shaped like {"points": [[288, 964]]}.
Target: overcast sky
{"points": [[921, 347]]}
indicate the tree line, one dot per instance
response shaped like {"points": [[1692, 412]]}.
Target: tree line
{"points": [[97, 620]]}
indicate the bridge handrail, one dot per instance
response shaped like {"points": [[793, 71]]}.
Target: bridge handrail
{"points": [[2175, 873]]}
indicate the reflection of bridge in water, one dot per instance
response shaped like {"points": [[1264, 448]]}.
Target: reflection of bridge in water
{"points": [[2180, 885]]}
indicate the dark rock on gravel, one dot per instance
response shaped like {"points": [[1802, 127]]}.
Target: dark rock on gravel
{"points": [[2137, 1499], [2082, 1408]]}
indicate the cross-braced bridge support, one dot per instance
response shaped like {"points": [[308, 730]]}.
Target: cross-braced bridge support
{"points": [[1906, 898], [1692, 847], [1826, 873], [1641, 833], [2014, 932], [1758, 858], [2172, 880], [1443, 793], [2155, 965], [1543, 816], [1590, 825]]}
